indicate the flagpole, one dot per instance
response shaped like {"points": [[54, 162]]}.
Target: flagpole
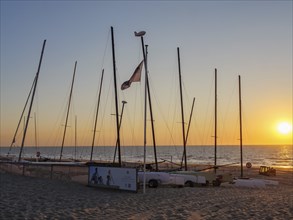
{"points": [[141, 34], [151, 112]]}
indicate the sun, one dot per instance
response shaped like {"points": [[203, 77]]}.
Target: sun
{"points": [[284, 128]]}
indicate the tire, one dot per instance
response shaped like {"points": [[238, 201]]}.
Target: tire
{"points": [[206, 184], [189, 184], [153, 183]]}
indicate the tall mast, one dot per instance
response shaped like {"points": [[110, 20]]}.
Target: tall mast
{"points": [[32, 101], [240, 117], [182, 110], [141, 34], [68, 108], [215, 135], [151, 112], [97, 112], [116, 97]]}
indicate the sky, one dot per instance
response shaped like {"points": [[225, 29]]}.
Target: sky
{"points": [[252, 39]]}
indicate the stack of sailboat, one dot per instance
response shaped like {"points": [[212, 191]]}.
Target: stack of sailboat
{"points": [[147, 100]]}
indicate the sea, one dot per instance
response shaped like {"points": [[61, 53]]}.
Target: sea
{"points": [[258, 155]]}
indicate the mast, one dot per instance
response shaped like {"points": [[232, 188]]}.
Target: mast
{"points": [[116, 97], [215, 163], [97, 112], [75, 137], [36, 138], [141, 34], [182, 110], [240, 117], [68, 108], [187, 133], [123, 103], [32, 101], [151, 112], [190, 117]]}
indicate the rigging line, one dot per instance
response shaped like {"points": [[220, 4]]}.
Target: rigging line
{"points": [[206, 130], [19, 122], [175, 112], [173, 106], [106, 48], [199, 133], [57, 127], [236, 130], [88, 123], [243, 121], [186, 95], [104, 110], [137, 91], [163, 115], [232, 112], [95, 105], [129, 117]]}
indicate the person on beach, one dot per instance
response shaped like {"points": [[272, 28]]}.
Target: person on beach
{"points": [[109, 178], [96, 179]]}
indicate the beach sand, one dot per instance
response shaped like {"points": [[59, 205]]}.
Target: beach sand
{"points": [[24, 197]]}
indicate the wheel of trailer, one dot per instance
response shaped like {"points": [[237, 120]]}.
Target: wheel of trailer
{"points": [[216, 182], [206, 184], [189, 184], [153, 183]]}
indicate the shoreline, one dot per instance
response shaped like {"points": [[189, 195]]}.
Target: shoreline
{"points": [[78, 171], [268, 155]]}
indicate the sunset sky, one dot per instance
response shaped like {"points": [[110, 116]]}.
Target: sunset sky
{"points": [[248, 38]]}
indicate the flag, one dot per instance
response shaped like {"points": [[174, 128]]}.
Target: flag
{"points": [[134, 78]]}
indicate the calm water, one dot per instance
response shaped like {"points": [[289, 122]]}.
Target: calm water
{"points": [[276, 155]]}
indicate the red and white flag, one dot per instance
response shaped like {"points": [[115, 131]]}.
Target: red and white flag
{"points": [[134, 78]]}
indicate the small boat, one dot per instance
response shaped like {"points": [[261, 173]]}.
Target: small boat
{"points": [[209, 177]]}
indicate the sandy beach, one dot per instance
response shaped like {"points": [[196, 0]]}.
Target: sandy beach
{"points": [[25, 197]]}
